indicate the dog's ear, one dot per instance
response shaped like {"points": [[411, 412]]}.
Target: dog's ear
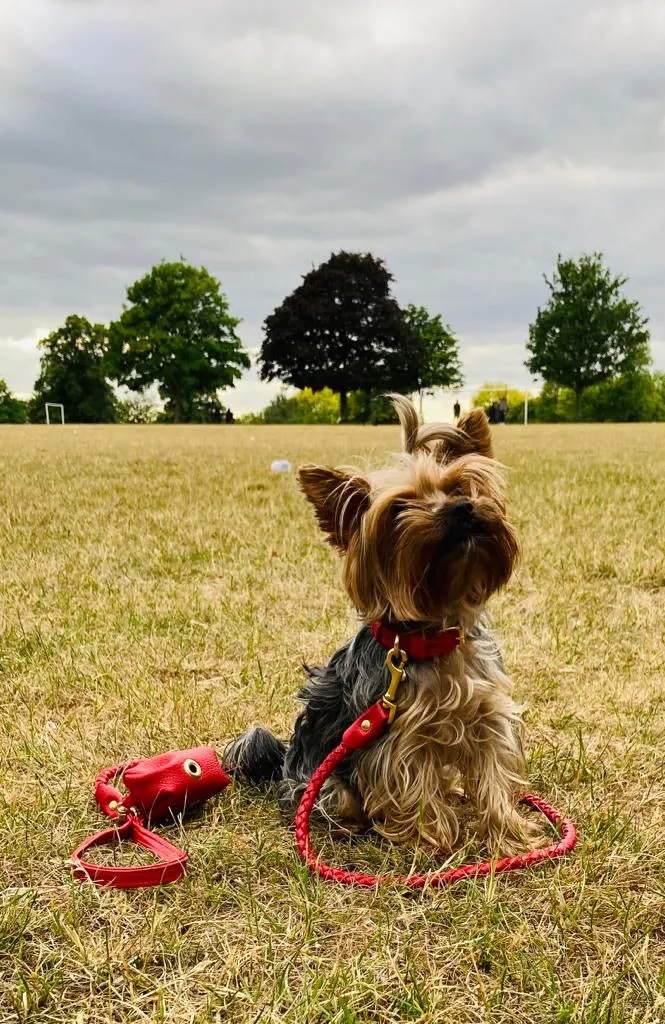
{"points": [[340, 500], [477, 428]]}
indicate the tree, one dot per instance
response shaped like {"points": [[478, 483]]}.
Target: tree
{"points": [[73, 372], [371, 406], [203, 409], [304, 406], [588, 332], [136, 409], [177, 332], [341, 329], [12, 409], [631, 398], [439, 363]]}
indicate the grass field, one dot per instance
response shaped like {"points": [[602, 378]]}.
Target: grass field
{"points": [[160, 589]]}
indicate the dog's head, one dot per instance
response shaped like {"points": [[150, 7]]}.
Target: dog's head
{"points": [[426, 539]]}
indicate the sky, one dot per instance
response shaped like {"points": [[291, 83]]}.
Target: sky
{"points": [[465, 142]]}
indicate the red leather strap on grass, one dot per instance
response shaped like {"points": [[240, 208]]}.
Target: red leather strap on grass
{"points": [[418, 644], [171, 865], [355, 738]]}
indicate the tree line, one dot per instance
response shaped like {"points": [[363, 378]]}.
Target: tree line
{"points": [[340, 329], [627, 398], [340, 338]]}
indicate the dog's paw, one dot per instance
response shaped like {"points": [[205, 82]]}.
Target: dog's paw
{"points": [[513, 835]]}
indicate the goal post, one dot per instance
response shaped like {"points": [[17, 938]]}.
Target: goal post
{"points": [[54, 405]]}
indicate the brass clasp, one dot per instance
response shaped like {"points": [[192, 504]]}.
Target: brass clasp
{"points": [[396, 659]]}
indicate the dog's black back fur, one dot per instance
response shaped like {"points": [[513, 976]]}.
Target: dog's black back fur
{"points": [[333, 697]]}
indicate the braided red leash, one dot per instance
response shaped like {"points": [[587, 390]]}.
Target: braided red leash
{"points": [[365, 730], [166, 784]]}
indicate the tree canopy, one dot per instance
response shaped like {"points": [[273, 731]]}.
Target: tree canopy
{"points": [[73, 372], [176, 332], [588, 332], [629, 398], [12, 409], [439, 364], [341, 329]]}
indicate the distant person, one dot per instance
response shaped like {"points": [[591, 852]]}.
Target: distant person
{"points": [[456, 410], [503, 409], [493, 412], [229, 416]]}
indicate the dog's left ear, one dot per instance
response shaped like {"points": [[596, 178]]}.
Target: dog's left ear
{"points": [[340, 500], [477, 428]]}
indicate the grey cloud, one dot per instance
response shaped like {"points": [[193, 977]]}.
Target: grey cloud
{"points": [[467, 143]]}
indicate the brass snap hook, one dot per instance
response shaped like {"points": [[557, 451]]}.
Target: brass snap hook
{"points": [[396, 659]]}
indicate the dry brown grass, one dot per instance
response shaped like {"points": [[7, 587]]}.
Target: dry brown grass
{"points": [[160, 588]]}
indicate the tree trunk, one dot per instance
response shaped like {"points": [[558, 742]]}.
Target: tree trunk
{"points": [[578, 404], [343, 407], [177, 404]]}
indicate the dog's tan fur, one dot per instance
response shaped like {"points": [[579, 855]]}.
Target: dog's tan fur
{"points": [[456, 729]]}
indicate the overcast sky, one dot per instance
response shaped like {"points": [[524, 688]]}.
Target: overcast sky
{"points": [[466, 142]]}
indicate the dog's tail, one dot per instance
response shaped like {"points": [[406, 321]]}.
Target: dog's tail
{"points": [[257, 756]]}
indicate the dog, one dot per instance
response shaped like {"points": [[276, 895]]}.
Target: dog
{"points": [[425, 543]]}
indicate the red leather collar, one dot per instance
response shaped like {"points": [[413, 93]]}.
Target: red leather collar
{"points": [[418, 644]]}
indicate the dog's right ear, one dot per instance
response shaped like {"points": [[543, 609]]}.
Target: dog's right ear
{"points": [[340, 500], [477, 428]]}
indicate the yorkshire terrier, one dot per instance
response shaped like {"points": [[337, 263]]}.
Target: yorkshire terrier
{"points": [[425, 543]]}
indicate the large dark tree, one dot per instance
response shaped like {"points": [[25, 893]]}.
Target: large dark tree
{"points": [[341, 329], [73, 372], [588, 332], [177, 332]]}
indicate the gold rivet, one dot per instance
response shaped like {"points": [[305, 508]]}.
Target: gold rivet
{"points": [[113, 805], [365, 725]]}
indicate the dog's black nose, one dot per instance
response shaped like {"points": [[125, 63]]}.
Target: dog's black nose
{"points": [[462, 511]]}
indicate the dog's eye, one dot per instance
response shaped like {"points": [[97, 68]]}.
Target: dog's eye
{"points": [[192, 768]]}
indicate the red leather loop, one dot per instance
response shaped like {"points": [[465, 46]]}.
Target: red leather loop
{"points": [[171, 865], [355, 738]]}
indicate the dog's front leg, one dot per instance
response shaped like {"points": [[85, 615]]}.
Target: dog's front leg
{"points": [[494, 773]]}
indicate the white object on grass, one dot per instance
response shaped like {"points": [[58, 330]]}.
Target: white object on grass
{"points": [[280, 466], [55, 405]]}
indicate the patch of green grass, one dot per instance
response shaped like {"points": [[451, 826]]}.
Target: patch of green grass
{"points": [[160, 589]]}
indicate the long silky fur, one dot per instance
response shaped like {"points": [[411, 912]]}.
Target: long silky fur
{"points": [[457, 727], [456, 731]]}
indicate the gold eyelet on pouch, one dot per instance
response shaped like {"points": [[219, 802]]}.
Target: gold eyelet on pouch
{"points": [[192, 768]]}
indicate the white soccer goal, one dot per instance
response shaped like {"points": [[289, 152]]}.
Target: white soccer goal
{"points": [[54, 405]]}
